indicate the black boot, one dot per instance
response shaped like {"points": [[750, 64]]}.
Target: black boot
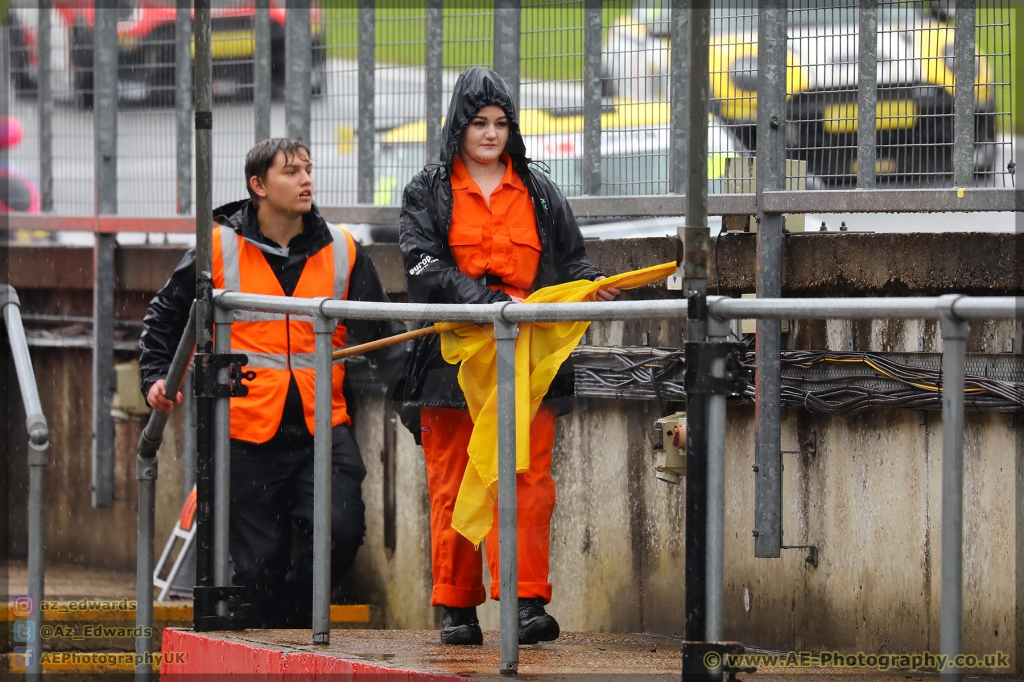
{"points": [[535, 625], [460, 626]]}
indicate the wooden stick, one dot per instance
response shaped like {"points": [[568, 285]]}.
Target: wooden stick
{"points": [[381, 343]]}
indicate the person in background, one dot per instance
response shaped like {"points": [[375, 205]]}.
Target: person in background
{"points": [[481, 227], [277, 243]]}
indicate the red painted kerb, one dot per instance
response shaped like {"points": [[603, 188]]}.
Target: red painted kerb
{"points": [[223, 658]]}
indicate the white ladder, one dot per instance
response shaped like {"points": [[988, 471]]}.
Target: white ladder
{"points": [[185, 530]]}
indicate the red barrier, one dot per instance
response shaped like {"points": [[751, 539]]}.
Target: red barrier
{"points": [[102, 224]]}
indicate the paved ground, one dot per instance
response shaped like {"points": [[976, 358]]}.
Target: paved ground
{"points": [[72, 581]]}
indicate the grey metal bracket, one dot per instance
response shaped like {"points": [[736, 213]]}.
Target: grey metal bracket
{"points": [[207, 364], [700, 355], [812, 553], [147, 469], [206, 600]]}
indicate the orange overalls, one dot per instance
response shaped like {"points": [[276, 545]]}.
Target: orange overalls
{"points": [[500, 240]]}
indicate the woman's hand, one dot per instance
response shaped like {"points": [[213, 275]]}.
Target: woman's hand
{"points": [[606, 293], [158, 399]]}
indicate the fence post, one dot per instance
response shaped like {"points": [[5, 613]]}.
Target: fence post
{"points": [[507, 19], [954, 347], [262, 70], [323, 328], [434, 78], [183, 106], [38, 459], [204, 301], [771, 175], [188, 439], [45, 109], [298, 68], [506, 333], [105, 105], [367, 66], [679, 87], [223, 319], [714, 563], [963, 95], [592, 99], [867, 94]]}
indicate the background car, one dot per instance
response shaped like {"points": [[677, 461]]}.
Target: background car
{"points": [[914, 130], [146, 49]]}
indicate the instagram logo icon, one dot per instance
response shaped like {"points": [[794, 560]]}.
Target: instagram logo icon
{"points": [[22, 606]]}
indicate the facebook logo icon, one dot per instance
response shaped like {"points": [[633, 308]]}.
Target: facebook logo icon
{"points": [[24, 631], [24, 657]]}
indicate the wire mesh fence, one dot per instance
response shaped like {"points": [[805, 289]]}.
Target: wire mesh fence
{"points": [[914, 112]]}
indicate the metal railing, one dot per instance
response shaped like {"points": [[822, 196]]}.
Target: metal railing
{"points": [[954, 311], [38, 459]]}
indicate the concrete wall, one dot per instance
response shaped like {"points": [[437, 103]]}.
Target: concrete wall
{"points": [[869, 499]]}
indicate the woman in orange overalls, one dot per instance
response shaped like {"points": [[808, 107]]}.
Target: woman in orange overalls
{"points": [[481, 227]]}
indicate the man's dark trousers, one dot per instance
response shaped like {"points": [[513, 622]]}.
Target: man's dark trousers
{"points": [[271, 489]]}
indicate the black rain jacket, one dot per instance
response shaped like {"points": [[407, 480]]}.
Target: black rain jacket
{"points": [[431, 273], [168, 311]]}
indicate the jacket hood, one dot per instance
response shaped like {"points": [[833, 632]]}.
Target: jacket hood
{"points": [[477, 88]]}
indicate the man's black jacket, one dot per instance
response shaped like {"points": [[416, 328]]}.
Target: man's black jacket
{"points": [[168, 311], [431, 273]]}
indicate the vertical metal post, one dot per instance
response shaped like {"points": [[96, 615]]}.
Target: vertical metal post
{"points": [[771, 175], [223, 320], [679, 102], [963, 96], [954, 348], [262, 70], [146, 471], [714, 563], [867, 94], [183, 106], [507, 20], [592, 99], [204, 295], [38, 459], [105, 104], [45, 108], [299, 68], [367, 67], [434, 78], [323, 328], [506, 333], [695, 240], [188, 439]]}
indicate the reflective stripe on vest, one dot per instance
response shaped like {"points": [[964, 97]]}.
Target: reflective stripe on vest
{"points": [[280, 360]]}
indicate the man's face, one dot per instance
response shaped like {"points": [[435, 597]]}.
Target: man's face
{"points": [[288, 187]]}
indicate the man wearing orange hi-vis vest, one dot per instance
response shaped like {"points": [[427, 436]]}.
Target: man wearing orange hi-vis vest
{"points": [[276, 243]]}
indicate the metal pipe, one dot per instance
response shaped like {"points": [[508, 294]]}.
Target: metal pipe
{"points": [[223, 320], [968, 307], [771, 175], [105, 105], [505, 334], [183, 106], [434, 77], [867, 94], [679, 105], [963, 96], [146, 472], [45, 108], [299, 67], [262, 71], [954, 348], [714, 563], [592, 99], [188, 438], [324, 329], [204, 293], [366, 94], [507, 19], [38, 459]]}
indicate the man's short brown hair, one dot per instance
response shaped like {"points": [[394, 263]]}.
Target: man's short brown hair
{"points": [[260, 158]]}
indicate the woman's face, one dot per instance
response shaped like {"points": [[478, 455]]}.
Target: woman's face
{"points": [[484, 139]]}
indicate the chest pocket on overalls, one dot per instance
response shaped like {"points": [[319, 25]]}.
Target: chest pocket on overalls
{"points": [[466, 242], [525, 255]]}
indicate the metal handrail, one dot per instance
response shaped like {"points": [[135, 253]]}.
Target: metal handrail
{"points": [[38, 458], [953, 310]]}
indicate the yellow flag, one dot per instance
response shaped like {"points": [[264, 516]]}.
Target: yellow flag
{"points": [[541, 349]]}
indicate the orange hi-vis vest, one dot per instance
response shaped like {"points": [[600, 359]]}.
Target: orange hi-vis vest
{"points": [[280, 346]]}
